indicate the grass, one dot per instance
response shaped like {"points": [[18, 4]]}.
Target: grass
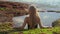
{"points": [[7, 29], [38, 31]]}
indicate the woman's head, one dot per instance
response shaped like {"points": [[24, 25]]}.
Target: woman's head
{"points": [[32, 9]]}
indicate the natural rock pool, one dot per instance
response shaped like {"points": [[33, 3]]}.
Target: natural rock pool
{"points": [[46, 19]]}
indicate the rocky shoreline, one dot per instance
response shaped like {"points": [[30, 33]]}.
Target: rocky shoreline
{"points": [[8, 10]]}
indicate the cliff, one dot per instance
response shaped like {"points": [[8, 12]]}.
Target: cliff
{"points": [[8, 10]]}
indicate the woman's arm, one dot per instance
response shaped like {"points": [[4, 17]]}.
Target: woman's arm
{"points": [[39, 22], [23, 25]]}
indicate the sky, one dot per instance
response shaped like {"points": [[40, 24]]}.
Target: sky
{"points": [[51, 2]]}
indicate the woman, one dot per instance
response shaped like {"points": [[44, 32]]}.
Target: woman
{"points": [[33, 20]]}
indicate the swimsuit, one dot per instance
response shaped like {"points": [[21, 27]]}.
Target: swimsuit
{"points": [[31, 28]]}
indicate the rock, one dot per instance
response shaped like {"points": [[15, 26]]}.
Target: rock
{"points": [[56, 23], [8, 10]]}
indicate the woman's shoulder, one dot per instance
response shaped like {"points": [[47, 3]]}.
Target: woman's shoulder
{"points": [[27, 18]]}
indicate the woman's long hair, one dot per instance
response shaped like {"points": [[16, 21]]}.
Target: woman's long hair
{"points": [[33, 14]]}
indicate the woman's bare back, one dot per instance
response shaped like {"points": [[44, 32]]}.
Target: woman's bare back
{"points": [[31, 24], [33, 19]]}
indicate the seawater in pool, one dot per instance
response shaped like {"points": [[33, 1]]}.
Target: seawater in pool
{"points": [[46, 19]]}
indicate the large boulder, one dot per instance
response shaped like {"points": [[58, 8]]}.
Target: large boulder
{"points": [[56, 23]]}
